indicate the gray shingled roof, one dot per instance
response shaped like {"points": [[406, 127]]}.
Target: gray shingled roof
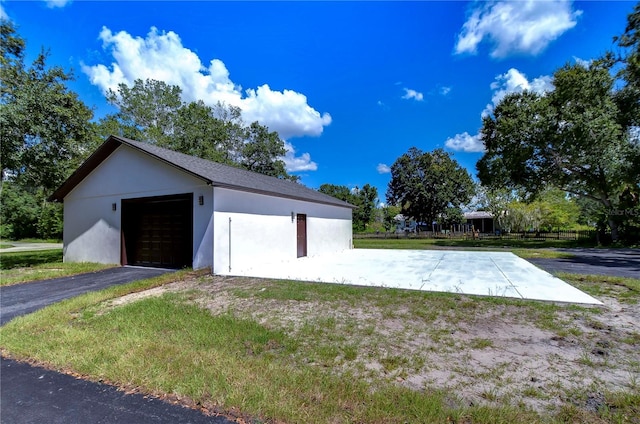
{"points": [[216, 174]]}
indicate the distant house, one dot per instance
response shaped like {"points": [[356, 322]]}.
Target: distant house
{"points": [[134, 203], [480, 220]]}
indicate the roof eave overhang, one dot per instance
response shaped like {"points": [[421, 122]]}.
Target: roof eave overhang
{"points": [[282, 195], [103, 152], [112, 143]]}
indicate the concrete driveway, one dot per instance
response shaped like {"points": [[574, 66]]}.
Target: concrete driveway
{"points": [[478, 273]]}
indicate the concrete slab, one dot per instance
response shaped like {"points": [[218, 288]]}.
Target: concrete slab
{"points": [[478, 273]]}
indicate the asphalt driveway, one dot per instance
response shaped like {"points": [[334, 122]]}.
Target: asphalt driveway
{"points": [[21, 299], [31, 394], [35, 395], [610, 262]]}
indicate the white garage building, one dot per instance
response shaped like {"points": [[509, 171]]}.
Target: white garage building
{"points": [[134, 203]]}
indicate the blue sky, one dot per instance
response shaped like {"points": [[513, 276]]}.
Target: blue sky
{"points": [[350, 86]]}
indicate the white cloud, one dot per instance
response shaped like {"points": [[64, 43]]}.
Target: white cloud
{"points": [[520, 27], [413, 94], [383, 168], [582, 62], [57, 3], [514, 81], [465, 142], [295, 163], [162, 56], [445, 90]]}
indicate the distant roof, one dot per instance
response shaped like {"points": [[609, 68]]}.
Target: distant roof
{"points": [[478, 215], [215, 174]]}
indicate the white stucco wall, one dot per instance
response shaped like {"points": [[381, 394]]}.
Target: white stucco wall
{"points": [[92, 228], [261, 229]]}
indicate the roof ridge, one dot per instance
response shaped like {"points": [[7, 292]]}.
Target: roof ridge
{"points": [[214, 173]]}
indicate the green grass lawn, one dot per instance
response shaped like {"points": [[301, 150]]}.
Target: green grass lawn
{"points": [[167, 345], [19, 267], [171, 345]]}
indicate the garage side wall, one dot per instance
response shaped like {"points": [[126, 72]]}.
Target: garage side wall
{"points": [[250, 228], [92, 229]]}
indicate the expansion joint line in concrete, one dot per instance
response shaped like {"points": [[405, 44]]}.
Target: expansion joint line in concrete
{"points": [[506, 278], [425, 280]]}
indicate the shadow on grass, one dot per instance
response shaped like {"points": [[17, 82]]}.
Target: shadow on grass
{"points": [[27, 259]]}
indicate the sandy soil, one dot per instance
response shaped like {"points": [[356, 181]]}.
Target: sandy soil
{"points": [[484, 352]]}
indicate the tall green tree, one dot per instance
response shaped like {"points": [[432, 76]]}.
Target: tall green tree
{"points": [[45, 131], [570, 138], [628, 97], [262, 150], [198, 132], [153, 111], [149, 106], [389, 213], [338, 191], [43, 124], [427, 185], [363, 198], [558, 210]]}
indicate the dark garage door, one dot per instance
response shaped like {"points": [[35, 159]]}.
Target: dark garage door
{"points": [[158, 231]]}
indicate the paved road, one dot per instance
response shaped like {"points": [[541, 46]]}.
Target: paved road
{"points": [[611, 262], [24, 247], [30, 394], [21, 299]]}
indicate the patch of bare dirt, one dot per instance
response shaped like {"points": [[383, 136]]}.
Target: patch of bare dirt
{"points": [[509, 353]]}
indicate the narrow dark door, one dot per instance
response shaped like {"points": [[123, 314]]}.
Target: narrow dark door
{"points": [[302, 235]]}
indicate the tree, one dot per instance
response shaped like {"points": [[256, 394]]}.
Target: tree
{"points": [[521, 216], [426, 185], [43, 124], [338, 191], [148, 107], [19, 212], [153, 111], [557, 209], [389, 213], [198, 132], [570, 138], [628, 97], [44, 133], [494, 200], [364, 199], [262, 151]]}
